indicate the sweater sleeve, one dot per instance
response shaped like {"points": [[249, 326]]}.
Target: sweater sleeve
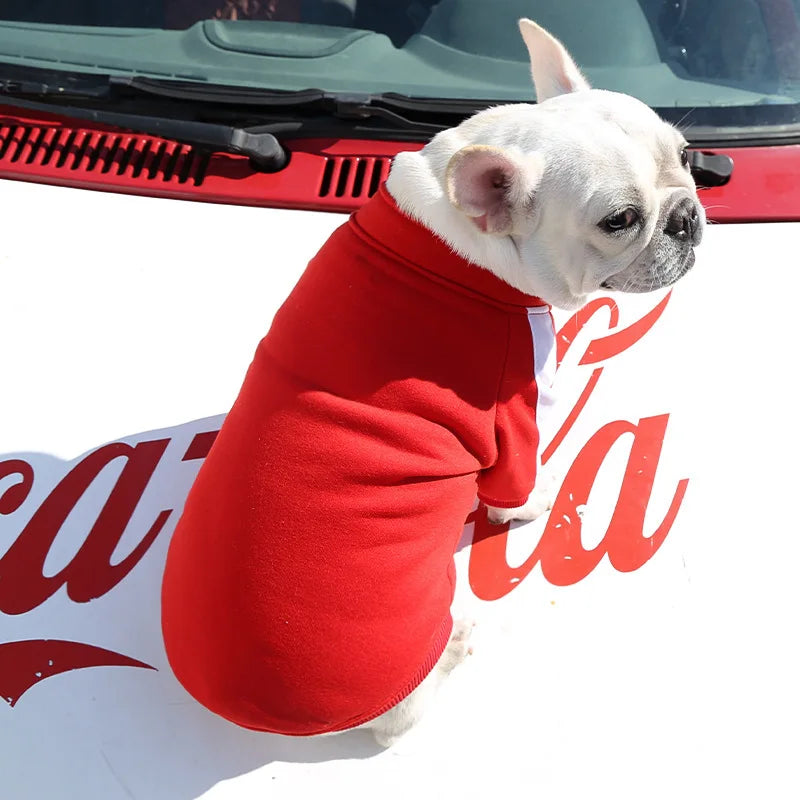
{"points": [[509, 481]]}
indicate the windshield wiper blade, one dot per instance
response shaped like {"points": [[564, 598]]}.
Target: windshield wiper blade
{"points": [[403, 112], [221, 93], [258, 143]]}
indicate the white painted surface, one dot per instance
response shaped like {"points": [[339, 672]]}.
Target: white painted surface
{"points": [[133, 319]]}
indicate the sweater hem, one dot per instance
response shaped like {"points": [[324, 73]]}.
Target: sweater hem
{"points": [[434, 654]]}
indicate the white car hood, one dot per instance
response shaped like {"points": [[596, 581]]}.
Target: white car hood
{"points": [[647, 653]]}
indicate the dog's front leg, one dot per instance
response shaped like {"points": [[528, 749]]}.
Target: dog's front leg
{"points": [[540, 500]]}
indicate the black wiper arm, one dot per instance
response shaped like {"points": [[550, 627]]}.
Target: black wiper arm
{"points": [[257, 143], [710, 169]]}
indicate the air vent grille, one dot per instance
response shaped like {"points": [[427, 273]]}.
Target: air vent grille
{"points": [[83, 151], [356, 177]]}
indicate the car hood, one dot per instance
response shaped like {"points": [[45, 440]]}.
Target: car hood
{"points": [[631, 626]]}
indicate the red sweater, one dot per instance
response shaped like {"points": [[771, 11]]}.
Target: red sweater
{"points": [[309, 581]]}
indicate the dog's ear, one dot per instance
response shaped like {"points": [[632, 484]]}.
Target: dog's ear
{"points": [[553, 70], [493, 187]]}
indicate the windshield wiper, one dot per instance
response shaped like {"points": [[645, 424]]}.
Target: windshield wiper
{"points": [[97, 98], [310, 112], [258, 143], [284, 114], [346, 104]]}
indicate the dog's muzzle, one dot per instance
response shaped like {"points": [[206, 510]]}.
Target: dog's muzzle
{"points": [[683, 222], [671, 252]]}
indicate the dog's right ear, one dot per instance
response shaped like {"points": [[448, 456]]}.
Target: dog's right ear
{"points": [[492, 187], [553, 70]]}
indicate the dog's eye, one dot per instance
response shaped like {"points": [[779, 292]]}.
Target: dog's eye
{"points": [[620, 221], [684, 157]]}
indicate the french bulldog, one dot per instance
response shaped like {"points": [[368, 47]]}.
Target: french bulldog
{"points": [[587, 190], [307, 581]]}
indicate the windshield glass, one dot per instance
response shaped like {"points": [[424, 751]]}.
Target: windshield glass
{"points": [[729, 63]]}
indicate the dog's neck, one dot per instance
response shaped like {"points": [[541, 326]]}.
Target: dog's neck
{"points": [[416, 184]]}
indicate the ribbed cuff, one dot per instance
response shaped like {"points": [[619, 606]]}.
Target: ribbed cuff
{"points": [[489, 501]]}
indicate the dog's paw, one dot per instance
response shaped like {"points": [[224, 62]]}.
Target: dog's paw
{"points": [[462, 631], [540, 500], [458, 646], [383, 739]]}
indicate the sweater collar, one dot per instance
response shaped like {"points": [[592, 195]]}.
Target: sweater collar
{"points": [[382, 221]]}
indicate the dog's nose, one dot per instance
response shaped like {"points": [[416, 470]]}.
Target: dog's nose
{"points": [[683, 221]]}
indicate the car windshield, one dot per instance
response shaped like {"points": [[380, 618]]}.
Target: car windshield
{"points": [[728, 63]]}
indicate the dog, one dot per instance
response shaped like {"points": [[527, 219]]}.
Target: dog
{"points": [[308, 584]]}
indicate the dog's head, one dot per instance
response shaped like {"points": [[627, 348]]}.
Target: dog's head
{"points": [[586, 190]]}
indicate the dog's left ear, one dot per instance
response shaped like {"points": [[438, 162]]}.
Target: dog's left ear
{"points": [[493, 187], [553, 70]]}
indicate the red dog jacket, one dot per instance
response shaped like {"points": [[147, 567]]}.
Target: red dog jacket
{"points": [[309, 581]]}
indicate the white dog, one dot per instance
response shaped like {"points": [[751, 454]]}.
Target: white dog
{"points": [[396, 378], [586, 190]]}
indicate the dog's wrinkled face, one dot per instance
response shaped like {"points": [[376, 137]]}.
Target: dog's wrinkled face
{"points": [[592, 187], [597, 194]]}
